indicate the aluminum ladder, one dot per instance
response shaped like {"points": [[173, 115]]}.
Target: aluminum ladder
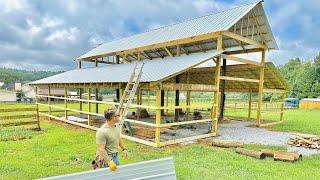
{"points": [[128, 96]]}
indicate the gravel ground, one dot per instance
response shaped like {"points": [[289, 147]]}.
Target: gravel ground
{"points": [[238, 130], [241, 130]]}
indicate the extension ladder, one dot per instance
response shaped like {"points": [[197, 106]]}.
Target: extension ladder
{"points": [[128, 96]]}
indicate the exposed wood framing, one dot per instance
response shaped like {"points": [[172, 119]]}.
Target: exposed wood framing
{"points": [[168, 51], [158, 116], [244, 39], [65, 103], [89, 106], [214, 123], [239, 79], [188, 87], [207, 36], [242, 60], [260, 93], [250, 104]]}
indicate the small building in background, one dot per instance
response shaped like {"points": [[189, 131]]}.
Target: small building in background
{"points": [[17, 86], [291, 102], [310, 103]]}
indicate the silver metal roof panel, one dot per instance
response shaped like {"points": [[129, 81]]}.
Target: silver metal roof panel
{"points": [[220, 21], [154, 70], [160, 169]]}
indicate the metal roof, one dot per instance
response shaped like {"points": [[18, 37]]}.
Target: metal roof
{"points": [[153, 70], [160, 169], [221, 21]]}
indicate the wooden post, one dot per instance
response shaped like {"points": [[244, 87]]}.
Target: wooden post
{"points": [[214, 125], [260, 93], [139, 99], [222, 94], [89, 106], [188, 102], [158, 116], [177, 102], [97, 90], [80, 89], [37, 107], [282, 107], [65, 103], [49, 100], [250, 104], [80, 97], [118, 90], [167, 101], [162, 102]]}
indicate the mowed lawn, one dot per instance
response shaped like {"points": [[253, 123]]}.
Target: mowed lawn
{"points": [[61, 149]]}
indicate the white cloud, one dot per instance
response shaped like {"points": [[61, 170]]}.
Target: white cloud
{"points": [[12, 5], [64, 34]]}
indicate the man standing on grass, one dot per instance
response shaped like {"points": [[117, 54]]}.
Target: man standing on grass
{"points": [[108, 140]]}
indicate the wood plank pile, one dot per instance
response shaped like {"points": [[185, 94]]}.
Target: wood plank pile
{"points": [[305, 140]]}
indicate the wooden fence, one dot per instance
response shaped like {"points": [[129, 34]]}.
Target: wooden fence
{"points": [[19, 117]]}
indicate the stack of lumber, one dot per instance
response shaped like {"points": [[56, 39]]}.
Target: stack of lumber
{"points": [[305, 140]]}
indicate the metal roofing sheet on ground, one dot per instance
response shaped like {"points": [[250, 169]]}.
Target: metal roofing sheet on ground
{"points": [[154, 70], [160, 169], [220, 21]]}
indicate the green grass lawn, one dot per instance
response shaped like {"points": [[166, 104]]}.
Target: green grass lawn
{"points": [[61, 149]]}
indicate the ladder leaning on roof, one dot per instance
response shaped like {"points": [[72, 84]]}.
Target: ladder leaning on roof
{"points": [[128, 95]]}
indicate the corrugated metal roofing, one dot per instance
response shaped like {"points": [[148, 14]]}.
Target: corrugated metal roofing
{"points": [[220, 21], [153, 70], [161, 169]]}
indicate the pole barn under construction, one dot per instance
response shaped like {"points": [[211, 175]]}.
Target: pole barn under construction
{"points": [[197, 55]]}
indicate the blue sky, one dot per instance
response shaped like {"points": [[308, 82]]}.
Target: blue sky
{"points": [[49, 35]]}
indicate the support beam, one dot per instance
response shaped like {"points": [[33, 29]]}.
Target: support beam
{"points": [[89, 106], [189, 87], [158, 117], [178, 50], [223, 86], [49, 99], [188, 102], [260, 92], [162, 102], [167, 50], [282, 106], [167, 101], [250, 104], [118, 90], [244, 39], [177, 101], [37, 107], [66, 103], [242, 60], [80, 97], [228, 78], [97, 91], [214, 113]]}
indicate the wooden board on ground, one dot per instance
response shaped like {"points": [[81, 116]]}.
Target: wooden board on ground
{"points": [[251, 153], [227, 143]]}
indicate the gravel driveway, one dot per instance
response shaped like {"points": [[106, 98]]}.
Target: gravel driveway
{"points": [[241, 130]]}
